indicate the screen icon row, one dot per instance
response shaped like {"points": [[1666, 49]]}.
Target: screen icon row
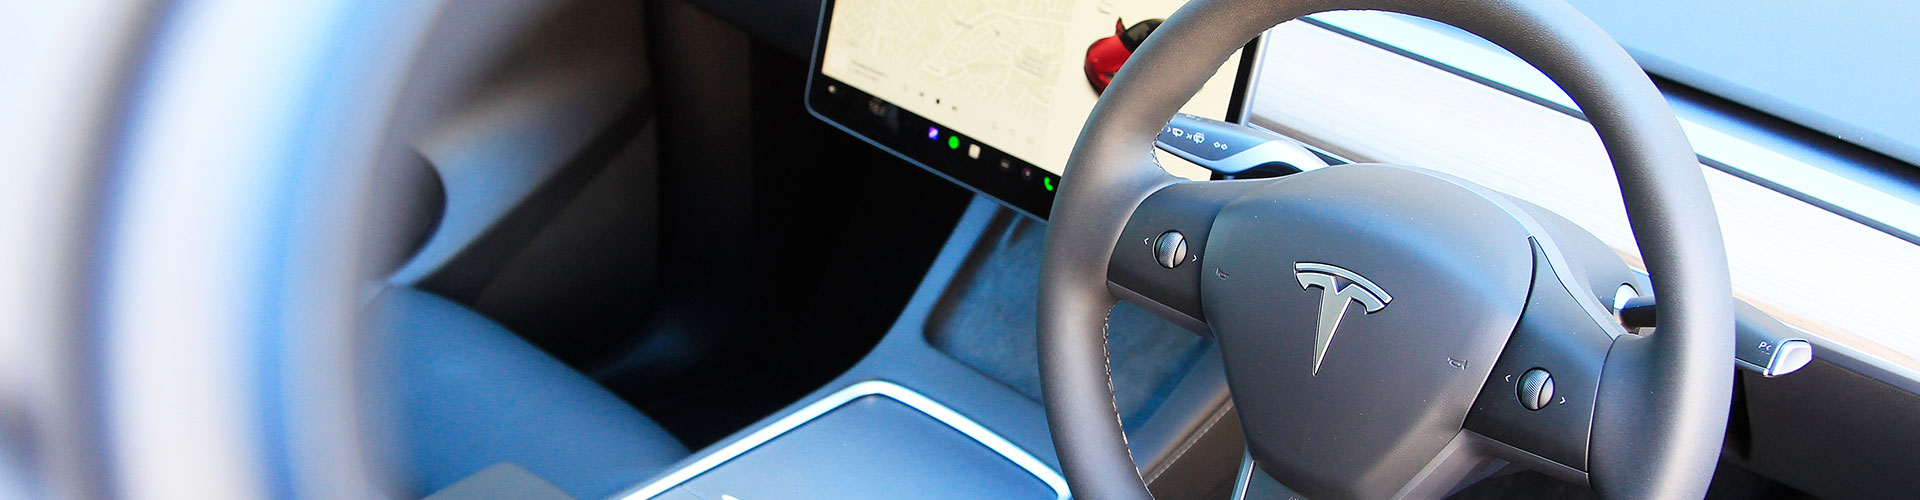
{"points": [[1026, 173]]}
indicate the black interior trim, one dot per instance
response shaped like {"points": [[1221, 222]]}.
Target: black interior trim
{"points": [[466, 275]]}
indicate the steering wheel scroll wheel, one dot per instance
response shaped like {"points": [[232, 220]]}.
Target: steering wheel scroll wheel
{"points": [[1391, 331]]}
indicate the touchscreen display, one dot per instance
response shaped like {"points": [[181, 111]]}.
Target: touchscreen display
{"points": [[989, 84]]}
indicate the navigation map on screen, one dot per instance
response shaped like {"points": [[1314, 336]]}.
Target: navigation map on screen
{"points": [[1018, 75]]}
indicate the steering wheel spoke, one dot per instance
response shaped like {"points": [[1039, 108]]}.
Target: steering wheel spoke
{"points": [[1543, 390], [1157, 261], [1468, 459]]}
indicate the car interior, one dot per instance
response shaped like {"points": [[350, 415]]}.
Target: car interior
{"points": [[961, 249]]}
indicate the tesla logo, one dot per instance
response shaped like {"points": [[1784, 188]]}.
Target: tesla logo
{"points": [[1334, 299]]}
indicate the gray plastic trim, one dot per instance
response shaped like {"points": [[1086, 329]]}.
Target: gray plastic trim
{"points": [[896, 392], [1278, 148], [1282, 150], [1240, 480]]}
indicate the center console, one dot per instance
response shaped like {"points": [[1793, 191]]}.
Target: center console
{"points": [[935, 412], [948, 405]]}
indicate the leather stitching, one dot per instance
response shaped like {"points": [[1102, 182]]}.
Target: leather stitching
{"points": [[1192, 439], [1113, 403]]}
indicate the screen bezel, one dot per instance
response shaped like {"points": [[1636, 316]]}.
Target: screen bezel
{"points": [[1011, 181]]}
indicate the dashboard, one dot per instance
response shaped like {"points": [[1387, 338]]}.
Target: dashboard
{"points": [[1462, 111]]}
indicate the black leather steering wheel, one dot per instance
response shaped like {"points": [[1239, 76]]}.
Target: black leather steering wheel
{"points": [[1389, 330]]}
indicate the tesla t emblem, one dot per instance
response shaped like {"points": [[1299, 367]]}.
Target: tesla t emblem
{"points": [[1334, 299]]}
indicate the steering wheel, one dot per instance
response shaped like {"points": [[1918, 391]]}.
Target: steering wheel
{"points": [[1390, 331]]}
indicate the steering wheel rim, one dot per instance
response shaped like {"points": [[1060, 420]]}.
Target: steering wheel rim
{"points": [[1654, 434]]}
